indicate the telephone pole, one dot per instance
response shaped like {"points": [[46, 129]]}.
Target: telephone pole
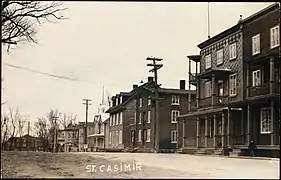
{"points": [[87, 103], [155, 68], [54, 118]]}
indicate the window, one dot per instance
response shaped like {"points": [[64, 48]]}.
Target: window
{"points": [[110, 121], [113, 137], [140, 102], [208, 61], [148, 101], [256, 44], [110, 137], [174, 115], [132, 136], [135, 118], [117, 137], [140, 118], [232, 85], [139, 136], [175, 100], [148, 134], [113, 121], [232, 51], [274, 37], [266, 120], [148, 116], [219, 56], [117, 119], [120, 137], [256, 78], [121, 118], [174, 136], [208, 89]]}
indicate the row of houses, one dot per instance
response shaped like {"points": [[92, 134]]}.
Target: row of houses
{"points": [[237, 100], [237, 88], [237, 97]]}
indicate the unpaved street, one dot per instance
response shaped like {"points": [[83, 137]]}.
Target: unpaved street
{"points": [[69, 165]]}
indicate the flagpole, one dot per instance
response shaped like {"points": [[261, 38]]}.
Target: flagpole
{"points": [[208, 20]]}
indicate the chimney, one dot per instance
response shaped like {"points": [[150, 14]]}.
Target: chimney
{"points": [[135, 86], [150, 78], [182, 84]]}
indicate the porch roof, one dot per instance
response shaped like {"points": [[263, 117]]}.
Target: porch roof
{"points": [[217, 71], [199, 113], [195, 58]]}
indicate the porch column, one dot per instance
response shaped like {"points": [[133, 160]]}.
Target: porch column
{"points": [[206, 131], [242, 127], [197, 131], [249, 124], [213, 90], [271, 75], [223, 129], [215, 131], [229, 127], [247, 79], [183, 132], [198, 93], [273, 119]]}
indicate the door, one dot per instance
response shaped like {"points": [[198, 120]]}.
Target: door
{"points": [[220, 91]]}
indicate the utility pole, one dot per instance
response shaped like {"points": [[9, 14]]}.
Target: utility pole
{"points": [[155, 68], [54, 118], [87, 103]]}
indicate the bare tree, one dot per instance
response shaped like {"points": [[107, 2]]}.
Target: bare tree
{"points": [[5, 120], [42, 128], [67, 119], [20, 18]]}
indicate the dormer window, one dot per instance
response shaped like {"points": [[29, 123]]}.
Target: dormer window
{"points": [[232, 51]]}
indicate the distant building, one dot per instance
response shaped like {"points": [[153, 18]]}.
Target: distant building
{"points": [[25, 143], [132, 117]]}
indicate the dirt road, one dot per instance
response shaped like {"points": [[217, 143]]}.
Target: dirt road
{"points": [[132, 165]]}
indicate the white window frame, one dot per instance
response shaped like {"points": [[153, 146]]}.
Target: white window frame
{"points": [[208, 87], [208, 61], [256, 44], [232, 51], [148, 101], [220, 57], [120, 137], [174, 115], [148, 116], [110, 136], [232, 85], [266, 124], [110, 120], [113, 120], [140, 118], [274, 37], [175, 100], [135, 118], [117, 137], [121, 118], [140, 102], [117, 119], [256, 81], [139, 135], [133, 134], [148, 135], [174, 136]]}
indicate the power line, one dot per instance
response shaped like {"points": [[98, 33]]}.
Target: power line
{"points": [[45, 74]]}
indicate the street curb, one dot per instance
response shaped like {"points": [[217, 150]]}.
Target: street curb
{"points": [[241, 157]]}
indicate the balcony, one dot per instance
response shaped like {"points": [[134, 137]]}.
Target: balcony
{"points": [[192, 79], [205, 102], [221, 100], [263, 89]]}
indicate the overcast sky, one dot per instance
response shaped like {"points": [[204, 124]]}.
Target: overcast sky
{"points": [[105, 44]]}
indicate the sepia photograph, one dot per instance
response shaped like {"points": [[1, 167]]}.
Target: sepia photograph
{"points": [[139, 90]]}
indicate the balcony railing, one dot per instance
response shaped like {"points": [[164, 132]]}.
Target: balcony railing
{"points": [[221, 100], [192, 78], [259, 90], [205, 102], [263, 89]]}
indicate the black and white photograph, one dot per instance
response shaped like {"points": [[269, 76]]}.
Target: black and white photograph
{"points": [[140, 89]]}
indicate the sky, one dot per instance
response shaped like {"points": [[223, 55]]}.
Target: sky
{"points": [[106, 44]]}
